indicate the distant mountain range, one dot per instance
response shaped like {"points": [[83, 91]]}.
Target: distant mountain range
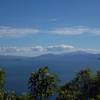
{"points": [[64, 65], [52, 56]]}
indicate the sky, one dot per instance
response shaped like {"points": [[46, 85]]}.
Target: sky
{"points": [[35, 27]]}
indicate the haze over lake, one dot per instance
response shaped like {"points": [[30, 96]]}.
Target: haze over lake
{"points": [[18, 69]]}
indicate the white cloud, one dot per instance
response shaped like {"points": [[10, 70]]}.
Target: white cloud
{"points": [[76, 30], [8, 49], [89, 50], [60, 48], [71, 30], [7, 31], [95, 31], [35, 50], [12, 32], [39, 50]]}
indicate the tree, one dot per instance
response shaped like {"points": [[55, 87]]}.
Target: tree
{"points": [[68, 92], [12, 96], [82, 81], [96, 86], [78, 88], [2, 81], [42, 84], [25, 96]]}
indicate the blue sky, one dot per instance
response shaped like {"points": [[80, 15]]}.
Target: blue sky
{"points": [[32, 27]]}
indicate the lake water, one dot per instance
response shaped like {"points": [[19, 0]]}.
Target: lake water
{"points": [[18, 72]]}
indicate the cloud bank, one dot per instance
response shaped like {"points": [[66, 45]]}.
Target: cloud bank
{"points": [[75, 30], [13, 32], [39, 50]]}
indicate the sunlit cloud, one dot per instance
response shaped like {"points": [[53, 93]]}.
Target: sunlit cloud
{"points": [[60, 48], [35, 50], [40, 50]]}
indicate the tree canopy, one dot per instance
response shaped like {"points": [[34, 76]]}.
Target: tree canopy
{"points": [[42, 84]]}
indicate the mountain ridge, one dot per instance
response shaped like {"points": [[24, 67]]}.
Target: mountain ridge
{"points": [[52, 54]]}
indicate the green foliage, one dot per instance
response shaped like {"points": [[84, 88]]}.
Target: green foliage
{"points": [[42, 84], [12, 96], [82, 81], [2, 79], [84, 86], [67, 92], [26, 96]]}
